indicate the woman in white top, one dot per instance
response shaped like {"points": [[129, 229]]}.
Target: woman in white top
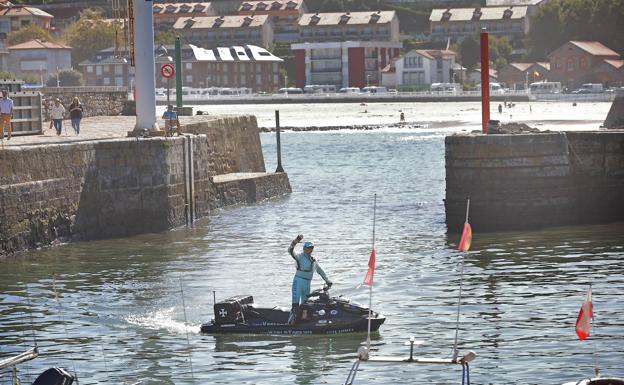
{"points": [[56, 114]]}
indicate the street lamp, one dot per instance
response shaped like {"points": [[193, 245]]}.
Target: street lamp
{"points": [[286, 83], [367, 80]]}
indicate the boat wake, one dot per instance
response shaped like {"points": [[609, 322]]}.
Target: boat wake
{"points": [[163, 319]]}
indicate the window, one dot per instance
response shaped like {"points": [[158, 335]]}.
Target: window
{"points": [[583, 63], [558, 64], [570, 65], [107, 68], [89, 69], [188, 79], [259, 79], [118, 69], [188, 66], [98, 70], [106, 81]]}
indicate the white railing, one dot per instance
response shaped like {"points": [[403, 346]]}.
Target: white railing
{"points": [[601, 97], [345, 96]]}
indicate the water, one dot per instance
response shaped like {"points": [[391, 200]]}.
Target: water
{"points": [[119, 316]]}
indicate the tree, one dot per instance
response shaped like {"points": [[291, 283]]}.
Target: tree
{"points": [[469, 51], [498, 46], [30, 32], [90, 34], [165, 38], [66, 78]]}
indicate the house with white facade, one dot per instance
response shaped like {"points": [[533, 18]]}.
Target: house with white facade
{"points": [[420, 67], [39, 57]]}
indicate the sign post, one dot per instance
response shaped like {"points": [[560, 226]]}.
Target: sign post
{"points": [[167, 71]]}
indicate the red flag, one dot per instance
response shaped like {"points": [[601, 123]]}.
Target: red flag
{"points": [[466, 238], [586, 313], [368, 280]]}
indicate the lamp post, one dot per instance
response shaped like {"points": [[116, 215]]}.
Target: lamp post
{"points": [[367, 80], [286, 83]]}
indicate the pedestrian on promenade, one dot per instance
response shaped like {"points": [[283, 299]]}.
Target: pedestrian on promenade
{"points": [[500, 108], [306, 265], [171, 119], [6, 113], [57, 113], [75, 113]]}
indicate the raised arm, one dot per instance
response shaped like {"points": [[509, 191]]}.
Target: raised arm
{"points": [[291, 248]]}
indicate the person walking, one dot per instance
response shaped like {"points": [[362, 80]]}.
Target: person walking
{"points": [[57, 113], [75, 114], [6, 113], [306, 265]]}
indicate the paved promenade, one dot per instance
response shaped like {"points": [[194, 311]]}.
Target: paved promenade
{"points": [[95, 128]]}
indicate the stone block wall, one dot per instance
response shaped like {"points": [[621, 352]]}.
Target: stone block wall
{"points": [[535, 180], [97, 101], [120, 187], [233, 143], [94, 190]]}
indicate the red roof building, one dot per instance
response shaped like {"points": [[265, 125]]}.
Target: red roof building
{"points": [[517, 76], [14, 17], [39, 57], [285, 15], [579, 62]]}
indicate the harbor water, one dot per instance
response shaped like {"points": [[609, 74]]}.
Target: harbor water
{"points": [[126, 310]]}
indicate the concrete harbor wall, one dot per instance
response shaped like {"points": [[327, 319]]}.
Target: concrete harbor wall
{"points": [[120, 187], [534, 181]]}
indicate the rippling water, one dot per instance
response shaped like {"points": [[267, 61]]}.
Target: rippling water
{"points": [[119, 316]]}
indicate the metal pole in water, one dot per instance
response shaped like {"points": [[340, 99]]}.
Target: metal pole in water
{"points": [[485, 82], [279, 143], [370, 287]]}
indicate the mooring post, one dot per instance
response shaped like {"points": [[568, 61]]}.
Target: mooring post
{"points": [[485, 82], [279, 143]]}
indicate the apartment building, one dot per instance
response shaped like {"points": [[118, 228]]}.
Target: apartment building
{"points": [[166, 14], [246, 66], [456, 23], [285, 15], [349, 26], [346, 49], [226, 30]]}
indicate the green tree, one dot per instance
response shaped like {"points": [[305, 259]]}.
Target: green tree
{"points": [[66, 78], [90, 34], [30, 32], [165, 37], [469, 51]]}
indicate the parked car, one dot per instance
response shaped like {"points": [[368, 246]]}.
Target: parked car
{"points": [[582, 91]]}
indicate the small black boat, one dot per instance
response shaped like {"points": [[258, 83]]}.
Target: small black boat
{"points": [[320, 314]]}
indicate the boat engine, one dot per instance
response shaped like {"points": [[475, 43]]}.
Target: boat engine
{"points": [[230, 310], [54, 376]]}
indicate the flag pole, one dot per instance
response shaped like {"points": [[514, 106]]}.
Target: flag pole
{"points": [[596, 368], [461, 280], [370, 287]]}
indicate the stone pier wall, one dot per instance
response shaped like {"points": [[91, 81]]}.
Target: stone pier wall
{"points": [[120, 187], [535, 180], [97, 101]]}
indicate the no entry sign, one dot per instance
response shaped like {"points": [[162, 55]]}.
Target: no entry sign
{"points": [[167, 70]]}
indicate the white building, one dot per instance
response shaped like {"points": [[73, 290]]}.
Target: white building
{"points": [[420, 67], [39, 57]]}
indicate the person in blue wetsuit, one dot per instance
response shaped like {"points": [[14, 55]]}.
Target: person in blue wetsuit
{"points": [[306, 265]]}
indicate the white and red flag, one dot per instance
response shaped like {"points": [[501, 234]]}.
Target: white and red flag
{"points": [[368, 280], [585, 316]]}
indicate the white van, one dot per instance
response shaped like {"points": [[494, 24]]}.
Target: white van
{"points": [[446, 87], [594, 88], [349, 90], [375, 90], [319, 89], [545, 88]]}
